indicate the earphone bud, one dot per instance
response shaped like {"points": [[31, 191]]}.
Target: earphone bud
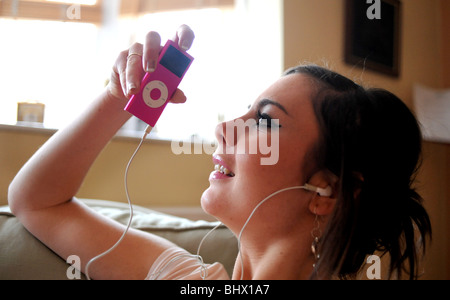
{"points": [[326, 192]]}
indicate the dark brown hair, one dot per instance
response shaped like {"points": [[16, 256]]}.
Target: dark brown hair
{"points": [[372, 142]]}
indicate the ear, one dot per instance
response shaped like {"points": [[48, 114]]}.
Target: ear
{"points": [[323, 205]]}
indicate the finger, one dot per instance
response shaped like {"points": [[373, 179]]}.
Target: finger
{"points": [[120, 68], [134, 70], [152, 47], [184, 37], [178, 97]]}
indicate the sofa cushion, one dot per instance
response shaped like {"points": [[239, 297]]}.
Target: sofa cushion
{"points": [[22, 256]]}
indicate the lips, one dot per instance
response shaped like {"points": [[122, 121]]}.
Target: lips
{"points": [[221, 168]]}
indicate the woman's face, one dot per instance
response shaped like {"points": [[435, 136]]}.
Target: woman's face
{"points": [[231, 198]]}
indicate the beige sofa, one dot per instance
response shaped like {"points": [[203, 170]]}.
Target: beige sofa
{"points": [[22, 256]]}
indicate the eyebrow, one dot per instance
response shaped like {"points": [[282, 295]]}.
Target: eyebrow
{"points": [[265, 102]]}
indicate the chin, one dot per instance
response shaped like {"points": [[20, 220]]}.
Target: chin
{"points": [[214, 204], [207, 203]]}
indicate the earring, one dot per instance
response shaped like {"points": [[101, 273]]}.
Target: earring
{"points": [[316, 234]]}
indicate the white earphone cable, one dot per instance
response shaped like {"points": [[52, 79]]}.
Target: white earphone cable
{"points": [[204, 269], [147, 132], [204, 273], [251, 215]]}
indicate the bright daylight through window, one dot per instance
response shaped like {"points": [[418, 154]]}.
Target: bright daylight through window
{"points": [[64, 65]]}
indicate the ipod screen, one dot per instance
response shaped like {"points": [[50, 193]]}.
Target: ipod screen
{"points": [[175, 61]]}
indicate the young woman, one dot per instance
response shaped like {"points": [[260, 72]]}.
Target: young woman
{"points": [[364, 145]]}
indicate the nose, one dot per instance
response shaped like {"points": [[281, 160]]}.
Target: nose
{"points": [[224, 138], [220, 134]]}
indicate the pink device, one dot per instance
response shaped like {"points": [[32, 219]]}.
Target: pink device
{"points": [[158, 87]]}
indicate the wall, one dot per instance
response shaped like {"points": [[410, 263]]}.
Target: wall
{"points": [[314, 32], [445, 42], [150, 177], [445, 25]]}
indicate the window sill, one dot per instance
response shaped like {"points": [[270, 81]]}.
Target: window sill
{"points": [[37, 128], [27, 128], [122, 134]]}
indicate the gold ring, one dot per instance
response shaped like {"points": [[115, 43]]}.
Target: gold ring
{"points": [[131, 54]]}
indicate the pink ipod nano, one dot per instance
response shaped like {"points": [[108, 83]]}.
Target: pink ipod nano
{"points": [[157, 88]]}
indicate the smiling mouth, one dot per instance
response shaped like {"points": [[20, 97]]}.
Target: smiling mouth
{"points": [[223, 170]]}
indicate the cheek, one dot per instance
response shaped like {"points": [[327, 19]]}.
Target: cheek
{"points": [[291, 159], [259, 179], [288, 170], [231, 202]]}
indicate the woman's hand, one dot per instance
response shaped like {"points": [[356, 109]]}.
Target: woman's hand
{"points": [[132, 64]]}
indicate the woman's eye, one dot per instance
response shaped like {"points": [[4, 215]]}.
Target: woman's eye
{"points": [[266, 121]]}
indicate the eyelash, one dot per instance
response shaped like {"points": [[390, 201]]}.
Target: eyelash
{"points": [[267, 118]]}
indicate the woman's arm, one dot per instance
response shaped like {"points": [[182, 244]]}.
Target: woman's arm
{"points": [[42, 193], [56, 171]]}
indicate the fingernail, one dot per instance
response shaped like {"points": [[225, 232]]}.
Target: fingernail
{"points": [[131, 89], [151, 66], [185, 45]]}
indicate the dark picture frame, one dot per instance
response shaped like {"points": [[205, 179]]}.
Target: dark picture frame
{"points": [[373, 42]]}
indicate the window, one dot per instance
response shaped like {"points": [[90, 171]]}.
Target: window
{"points": [[64, 65], [48, 62], [55, 10]]}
